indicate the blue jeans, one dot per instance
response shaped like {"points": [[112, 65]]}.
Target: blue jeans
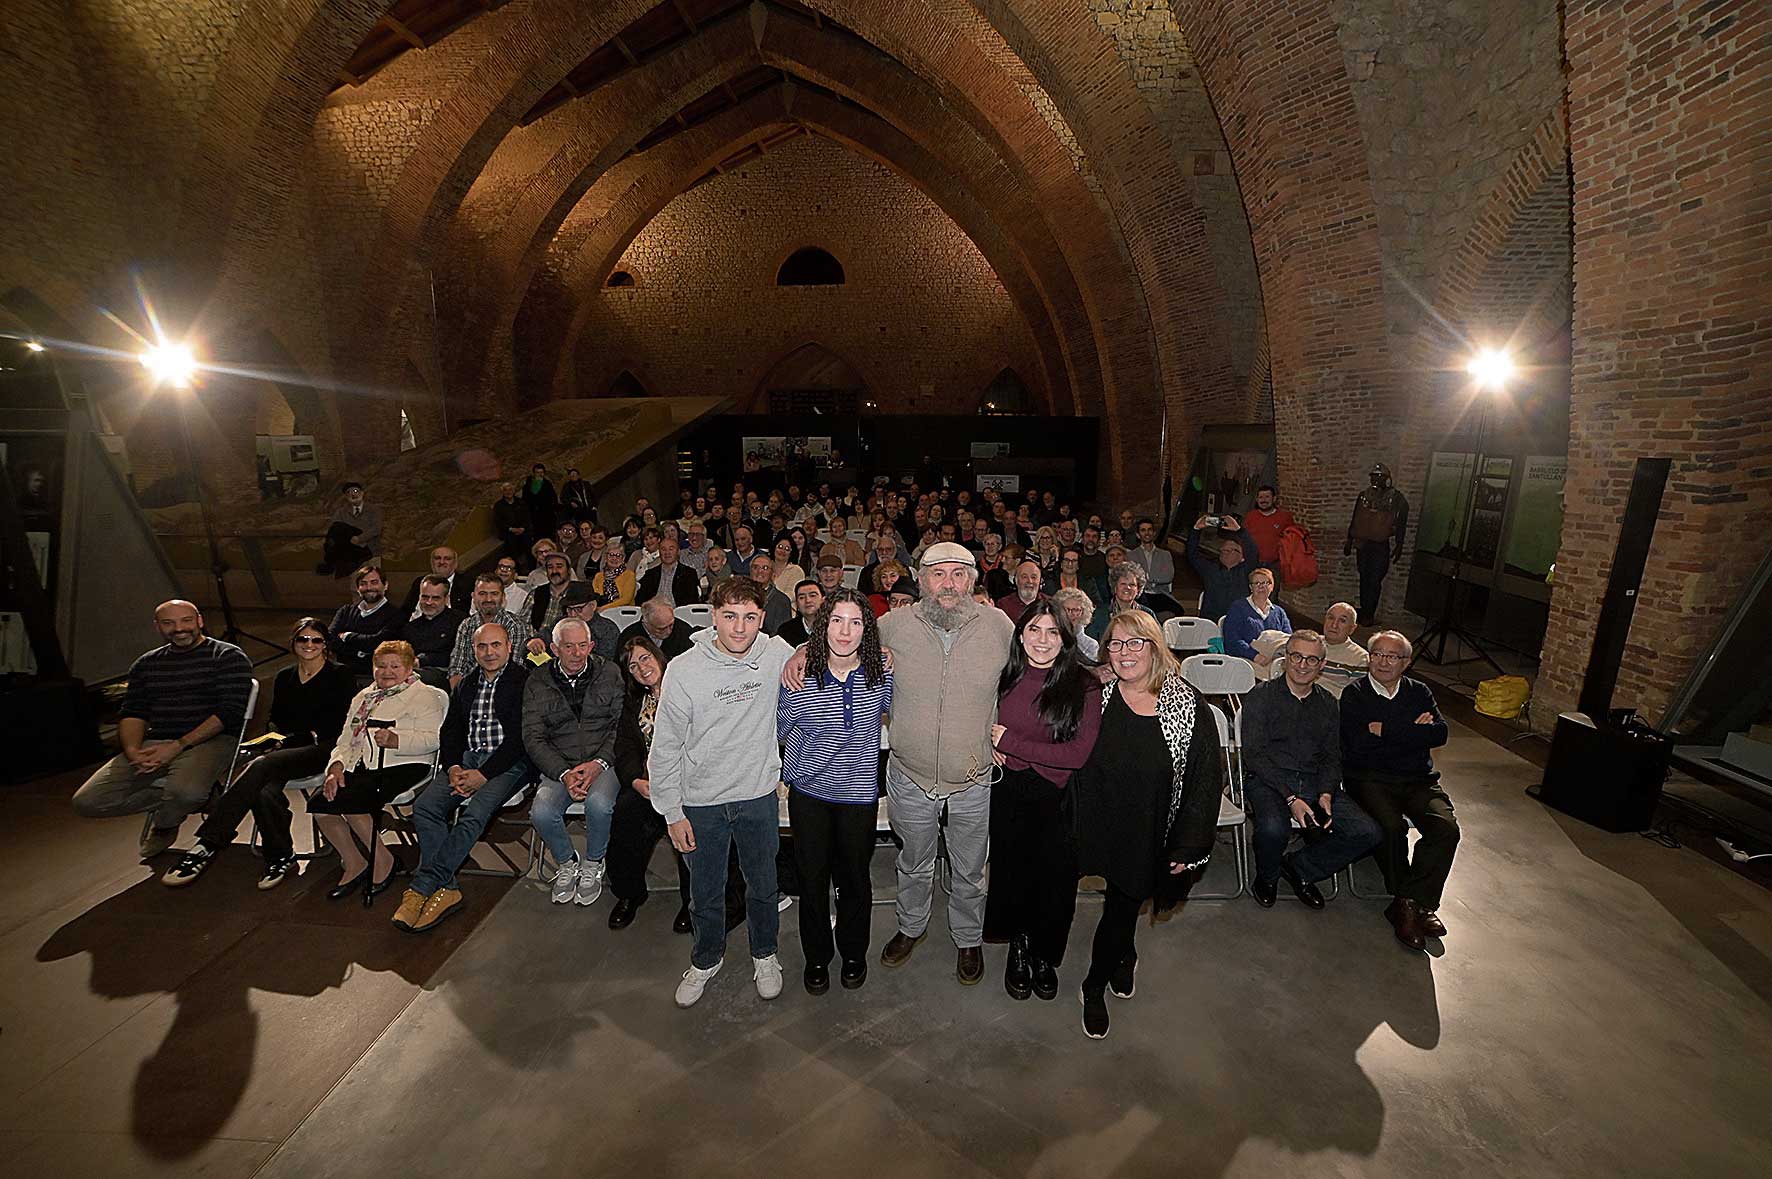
{"points": [[442, 847], [547, 813], [755, 826], [1352, 834]]}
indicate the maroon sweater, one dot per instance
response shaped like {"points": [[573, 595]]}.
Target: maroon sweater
{"points": [[1028, 743]]}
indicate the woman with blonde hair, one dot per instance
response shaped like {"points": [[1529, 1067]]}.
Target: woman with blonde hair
{"points": [[1146, 804], [389, 740]]}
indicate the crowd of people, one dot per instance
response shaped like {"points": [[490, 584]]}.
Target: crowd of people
{"points": [[1040, 727]]}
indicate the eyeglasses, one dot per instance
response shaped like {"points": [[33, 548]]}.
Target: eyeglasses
{"points": [[1388, 657], [308, 639], [1305, 660], [1133, 646]]}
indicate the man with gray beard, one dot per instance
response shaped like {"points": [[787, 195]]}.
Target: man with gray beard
{"points": [[947, 654]]}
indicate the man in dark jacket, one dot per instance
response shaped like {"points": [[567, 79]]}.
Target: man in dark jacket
{"points": [[1292, 763], [431, 630], [482, 755], [571, 710], [510, 519], [360, 626], [1227, 576], [660, 623], [670, 579], [539, 498], [1389, 726]]}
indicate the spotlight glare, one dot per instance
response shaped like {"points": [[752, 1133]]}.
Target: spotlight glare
{"points": [[1491, 368], [33, 346], [170, 364]]}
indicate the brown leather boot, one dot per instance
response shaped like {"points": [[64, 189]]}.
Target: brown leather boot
{"points": [[898, 951], [1405, 919], [970, 965]]}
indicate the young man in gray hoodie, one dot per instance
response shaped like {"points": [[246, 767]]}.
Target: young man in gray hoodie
{"points": [[715, 766]]}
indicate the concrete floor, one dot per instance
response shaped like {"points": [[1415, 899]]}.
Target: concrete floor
{"points": [[1601, 1006]]}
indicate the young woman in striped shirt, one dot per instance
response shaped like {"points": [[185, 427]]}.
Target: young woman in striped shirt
{"points": [[830, 732]]}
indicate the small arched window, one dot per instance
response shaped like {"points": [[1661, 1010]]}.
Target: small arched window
{"points": [[810, 267], [620, 278]]}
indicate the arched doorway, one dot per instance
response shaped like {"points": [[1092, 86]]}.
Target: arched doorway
{"points": [[1006, 393], [812, 377], [626, 384]]}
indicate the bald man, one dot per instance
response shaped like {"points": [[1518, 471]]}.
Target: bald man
{"points": [[180, 723], [461, 586]]}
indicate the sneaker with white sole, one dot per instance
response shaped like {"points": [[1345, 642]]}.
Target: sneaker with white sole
{"points": [[590, 881], [275, 872], [767, 973], [190, 866], [566, 881], [695, 981]]}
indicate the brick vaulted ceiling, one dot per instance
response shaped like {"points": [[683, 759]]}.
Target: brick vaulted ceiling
{"points": [[540, 136]]}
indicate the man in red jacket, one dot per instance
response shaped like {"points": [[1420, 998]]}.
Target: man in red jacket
{"points": [[1264, 526]]}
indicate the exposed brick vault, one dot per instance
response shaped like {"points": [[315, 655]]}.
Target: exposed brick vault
{"points": [[1207, 211]]}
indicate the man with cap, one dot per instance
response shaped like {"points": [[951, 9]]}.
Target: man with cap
{"points": [[947, 654], [828, 569], [1381, 516], [580, 602], [353, 535]]}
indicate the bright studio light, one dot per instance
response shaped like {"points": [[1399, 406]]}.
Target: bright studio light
{"points": [[33, 346], [1491, 369], [170, 364]]}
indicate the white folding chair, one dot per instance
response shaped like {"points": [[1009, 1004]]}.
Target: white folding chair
{"points": [[623, 616], [859, 536], [696, 614], [1190, 634], [1219, 675], [1231, 815], [852, 576]]}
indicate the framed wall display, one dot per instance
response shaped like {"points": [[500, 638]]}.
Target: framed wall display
{"points": [[1538, 517], [759, 453], [999, 483]]}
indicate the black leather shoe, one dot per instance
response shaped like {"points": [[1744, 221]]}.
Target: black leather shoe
{"points": [[339, 892], [1308, 893], [682, 924], [375, 888], [1265, 894], [1018, 977], [622, 915], [1431, 925], [897, 951], [855, 972], [969, 966], [1045, 979], [817, 978]]}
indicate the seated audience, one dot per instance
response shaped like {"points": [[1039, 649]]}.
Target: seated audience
{"points": [[582, 605], [358, 628], [1390, 724], [671, 581], [1028, 579], [828, 569], [777, 606], [490, 594], [787, 573], [461, 586], [1048, 715], [1292, 774], [713, 572], [547, 602], [1079, 611], [1249, 616], [483, 765], [901, 595], [384, 749], [646, 558], [308, 702], [743, 550], [593, 539], [614, 583], [1091, 560], [179, 725], [1125, 583], [661, 626], [1145, 804], [353, 535], [431, 629], [1347, 659], [635, 828], [1225, 578], [808, 597], [538, 576], [830, 735], [695, 553], [570, 711], [994, 566]]}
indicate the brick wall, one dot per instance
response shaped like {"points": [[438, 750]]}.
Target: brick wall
{"points": [[921, 314], [1668, 134]]}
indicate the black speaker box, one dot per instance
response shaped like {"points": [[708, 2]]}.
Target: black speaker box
{"points": [[1607, 774], [48, 726]]}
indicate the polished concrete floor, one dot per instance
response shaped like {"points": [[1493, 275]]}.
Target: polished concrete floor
{"points": [[1602, 1006]]}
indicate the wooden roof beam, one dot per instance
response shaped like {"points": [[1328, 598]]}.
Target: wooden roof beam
{"points": [[625, 51], [405, 34], [683, 14]]}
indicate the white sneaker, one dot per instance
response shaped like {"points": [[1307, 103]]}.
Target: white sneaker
{"points": [[566, 881], [590, 881], [695, 981], [767, 973]]}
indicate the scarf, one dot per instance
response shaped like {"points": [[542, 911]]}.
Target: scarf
{"points": [[1177, 709], [371, 698]]}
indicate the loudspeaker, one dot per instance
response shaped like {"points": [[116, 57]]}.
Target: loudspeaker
{"points": [[1608, 774], [1613, 627]]}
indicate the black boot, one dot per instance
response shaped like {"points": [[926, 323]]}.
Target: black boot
{"points": [[1045, 979], [1018, 977]]}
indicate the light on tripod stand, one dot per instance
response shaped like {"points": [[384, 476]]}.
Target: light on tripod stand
{"points": [[170, 364], [1491, 369]]}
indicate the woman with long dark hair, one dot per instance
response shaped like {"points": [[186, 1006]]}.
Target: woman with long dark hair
{"points": [[1048, 712], [1146, 804], [308, 703], [830, 734], [635, 828]]}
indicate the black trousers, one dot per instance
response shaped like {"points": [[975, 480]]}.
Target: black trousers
{"points": [[1113, 944], [341, 553], [833, 842], [260, 789], [1033, 861], [1389, 799], [634, 831], [1374, 560]]}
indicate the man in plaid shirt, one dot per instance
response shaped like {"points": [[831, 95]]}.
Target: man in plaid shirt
{"points": [[489, 606], [482, 763]]}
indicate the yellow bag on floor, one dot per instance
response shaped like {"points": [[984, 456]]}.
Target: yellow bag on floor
{"points": [[1504, 696]]}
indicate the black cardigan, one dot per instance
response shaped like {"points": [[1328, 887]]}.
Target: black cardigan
{"points": [[1404, 748], [685, 585], [507, 704], [630, 743]]}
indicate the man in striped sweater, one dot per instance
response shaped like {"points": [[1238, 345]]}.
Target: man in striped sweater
{"points": [[181, 721]]}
